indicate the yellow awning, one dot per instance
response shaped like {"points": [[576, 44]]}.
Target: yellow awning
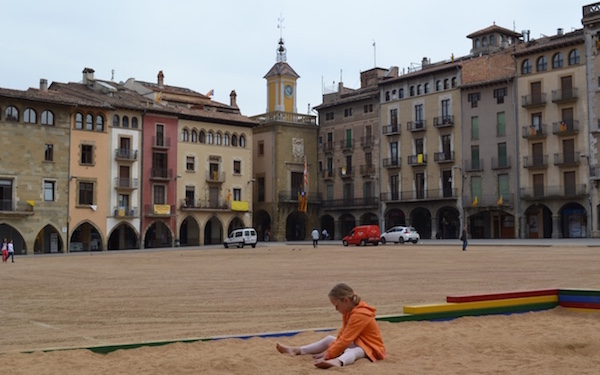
{"points": [[239, 206]]}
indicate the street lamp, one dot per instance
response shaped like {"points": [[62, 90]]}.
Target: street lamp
{"points": [[463, 219], [590, 212]]}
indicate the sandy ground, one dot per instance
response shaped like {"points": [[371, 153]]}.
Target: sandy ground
{"points": [[82, 300]]}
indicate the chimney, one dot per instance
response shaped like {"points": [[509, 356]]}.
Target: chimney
{"points": [[161, 79], [232, 99], [424, 62], [559, 31], [340, 87], [88, 75], [43, 84]]}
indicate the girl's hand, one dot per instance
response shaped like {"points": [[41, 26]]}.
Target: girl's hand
{"points": [[319, 357]]}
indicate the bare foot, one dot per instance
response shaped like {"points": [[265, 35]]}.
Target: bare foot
{"points": [[291, 350], [329, 363]]}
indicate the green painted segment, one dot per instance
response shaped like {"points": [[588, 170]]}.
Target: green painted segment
{"points": [[579, 292]]}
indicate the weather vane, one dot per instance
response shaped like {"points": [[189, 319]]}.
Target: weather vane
{"points": [[280, 26]]}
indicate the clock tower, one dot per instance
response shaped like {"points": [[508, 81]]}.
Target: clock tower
{"points": [[281, 84]]}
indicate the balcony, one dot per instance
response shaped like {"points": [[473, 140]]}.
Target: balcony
{"points": [[159, 210], [565, 95], [367, 170], [501, 163], [489, 200], [126, 183], [565, 127], [125, 212], [391, 163], [393, 129], [532, 101], [367, 142], [328, 147], [215, 177], [443, 121], [205, 204], [420, 194], [351, 203], [346, 172], [416, 126], [567, 159], [287, 117], [291, 196], [161, 174], [443, 157], [328, 174], [535, 132], [347, 145], [473, 165], [535, 162], [161, 142], [125, 154], [419, 159], [555, 192], [12, 209]]}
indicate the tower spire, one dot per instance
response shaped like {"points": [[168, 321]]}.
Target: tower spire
{"points": [[281, 50]]}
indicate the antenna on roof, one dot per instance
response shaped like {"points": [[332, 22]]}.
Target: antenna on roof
{"points": [[374, 55], [280, 26], [112, 75]]}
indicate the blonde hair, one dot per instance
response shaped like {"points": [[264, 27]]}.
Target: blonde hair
{"points": [[341, 291]]}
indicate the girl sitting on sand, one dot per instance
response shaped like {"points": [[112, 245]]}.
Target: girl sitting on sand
{"points": [[358, 338]]}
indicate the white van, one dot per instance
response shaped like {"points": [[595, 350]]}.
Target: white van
{"points": [[241, 237]]}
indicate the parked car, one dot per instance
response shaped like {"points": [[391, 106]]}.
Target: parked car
{"points": [[400, 234], [362, 235], [241, 237]]}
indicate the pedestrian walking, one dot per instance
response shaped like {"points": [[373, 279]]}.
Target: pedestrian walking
{"points": [[463, 238], [315, 237], [11, 251]]}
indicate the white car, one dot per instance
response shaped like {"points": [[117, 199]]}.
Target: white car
{"points": [[400, 234], [241, 237]]}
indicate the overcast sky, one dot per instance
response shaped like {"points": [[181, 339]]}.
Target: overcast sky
{"points": [[230, 45]]}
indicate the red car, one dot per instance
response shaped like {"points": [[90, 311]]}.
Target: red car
{"points": [[363, 235]]}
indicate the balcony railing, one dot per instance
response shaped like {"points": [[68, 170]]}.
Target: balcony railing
{"points": [[530, 101], [126, 183], [346, 172], [161, 142], [420, 194], [159, 209], [416, 126], [328, 174], [555, 192], [368, 169], [565, 95], [351, 202], [392, 162], [327, 147], [443, 121], [501, 163], [537, 161], [393, 129], [289, 117], [367, 141], [419, 159], [473, 165], [565, 127], [204, 204], [161, 173], [215, 177], [443, 157], [533, 131], [567, 159], [488, 200], [125, 211], [347, 144], [126, 154], [291, 196], [9, 207]]}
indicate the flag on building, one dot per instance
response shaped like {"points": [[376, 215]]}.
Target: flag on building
{"points": [[158, 97], [302, 201], [500, 201], [305, 175], [475, 201], [210, 93]]}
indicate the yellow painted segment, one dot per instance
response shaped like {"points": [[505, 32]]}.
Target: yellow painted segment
{"points": [[447, 307]]}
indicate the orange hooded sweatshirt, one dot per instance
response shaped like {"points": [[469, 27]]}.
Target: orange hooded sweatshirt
{"points": [[359, 326]]}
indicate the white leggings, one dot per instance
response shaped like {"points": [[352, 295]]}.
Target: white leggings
{"points": [[351, 354]]}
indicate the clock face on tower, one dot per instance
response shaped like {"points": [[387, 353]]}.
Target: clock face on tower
{"points": [[288, 91]]}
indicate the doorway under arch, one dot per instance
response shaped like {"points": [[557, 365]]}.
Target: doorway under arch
{"points": [[295, 226], [213, 231], [158, 235], [10, 233], [85, 238], [123, 237], [189, 232]]}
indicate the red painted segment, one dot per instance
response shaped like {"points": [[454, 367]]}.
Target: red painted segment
{"points": [[504, 295], [581, 305]]}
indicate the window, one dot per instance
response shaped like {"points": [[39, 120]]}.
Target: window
{"points": [[387, 96], [445, 109], [438, 85], [503, 187], [47, 118], [394, 94], [49, 189], [210, 138], [394, 116], [368, 108], [484, 41], [234, 140], [558, 61], [261, 148], [12, 113], [347, 112], [89, 122], [226, 139], [86, 193], [49, 152], [542, 64], [419, 116], [446, 87], [454, 82], [500, 124], [526, 67], [29, 116], [261, 189], [412, 91], [115, 121], [125, 121], [400, 94], [87, 154], [242, 141], [219, 138], [492, 40], [194, 136], [134, 122], [159, 194], [202, 137], [499, 94], [237, 194], [190, 196], [474, 128], [190, 163], [574, 57], [475, 163], [329, 115], [502, 155], [418, 89], [474, 98], [185, 135], [477, 43], [426, 88], [99, 123], [237, 167], [475, 188]]}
